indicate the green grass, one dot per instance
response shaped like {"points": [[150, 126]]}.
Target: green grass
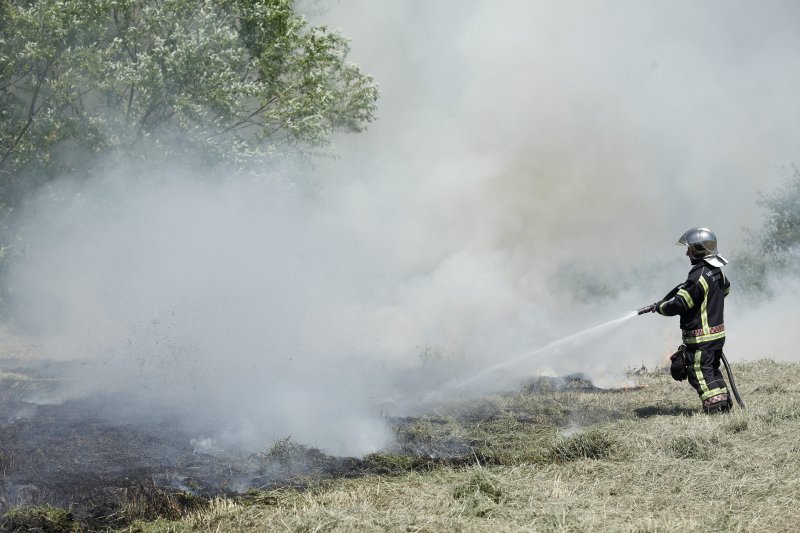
{"points": [[543, 460], [45, 519]]}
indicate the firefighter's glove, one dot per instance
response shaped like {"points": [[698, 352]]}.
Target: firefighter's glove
{"points": [[677, 367], [656, 307]]}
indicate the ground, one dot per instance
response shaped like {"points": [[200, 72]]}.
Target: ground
{"points": [[555, 456]]}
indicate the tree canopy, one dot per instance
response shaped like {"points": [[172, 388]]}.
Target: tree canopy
{"points": [[774, 247], [780, 234], [212, 79]]}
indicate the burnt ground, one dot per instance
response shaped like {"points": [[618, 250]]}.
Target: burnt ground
{"points": [[108, 472]]}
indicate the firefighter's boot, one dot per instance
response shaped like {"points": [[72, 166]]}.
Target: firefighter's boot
{"points": [[721, 403]]}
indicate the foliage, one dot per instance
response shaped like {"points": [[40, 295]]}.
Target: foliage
{"points": [[749, 268], [211, 79], [775, 246], [780, 234]]}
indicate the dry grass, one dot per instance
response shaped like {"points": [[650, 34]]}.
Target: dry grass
{"points": [[592, 444], [567, 461], [45, 519]]}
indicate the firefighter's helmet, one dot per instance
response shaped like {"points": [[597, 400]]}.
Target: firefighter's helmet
{"points": [[702, 244]]}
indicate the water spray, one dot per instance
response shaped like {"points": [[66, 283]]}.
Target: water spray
{"points": [[455, 385], [563, 340]]}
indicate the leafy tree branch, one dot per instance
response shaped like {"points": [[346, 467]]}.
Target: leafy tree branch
{"points": [[230, 80]]}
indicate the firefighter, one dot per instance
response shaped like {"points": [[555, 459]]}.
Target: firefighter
{"points": [[700, 302]]}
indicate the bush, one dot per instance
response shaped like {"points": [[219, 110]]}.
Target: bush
{"points": [[749, 269], [775, 246], [780, 234]]}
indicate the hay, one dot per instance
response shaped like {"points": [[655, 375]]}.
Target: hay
{"points": [[595, 444]]}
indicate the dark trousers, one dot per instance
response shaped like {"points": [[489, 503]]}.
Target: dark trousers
{"points": [[703, 370]]}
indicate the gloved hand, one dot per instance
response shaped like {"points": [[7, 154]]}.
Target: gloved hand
{"points": [[656, 305], [677, 366], [646, 309]]}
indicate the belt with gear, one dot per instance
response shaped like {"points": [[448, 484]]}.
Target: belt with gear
{"points": [[699, 332]]}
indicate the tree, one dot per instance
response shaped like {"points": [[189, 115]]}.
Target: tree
{"points": [[212, 79], [774, 247], [780, 234]]}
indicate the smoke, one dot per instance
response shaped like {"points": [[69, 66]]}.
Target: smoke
{"points": [[524, 151], [580, 140]]}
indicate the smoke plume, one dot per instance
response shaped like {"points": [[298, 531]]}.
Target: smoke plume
{"points": [[531, 167]]}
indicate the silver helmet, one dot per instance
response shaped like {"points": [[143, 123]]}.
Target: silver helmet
{"points": [[702, 244]]}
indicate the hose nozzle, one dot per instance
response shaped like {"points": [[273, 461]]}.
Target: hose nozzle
{"points": [[646, 309]]}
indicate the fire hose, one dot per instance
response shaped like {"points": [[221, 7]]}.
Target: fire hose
{"points": [[732, 381]]}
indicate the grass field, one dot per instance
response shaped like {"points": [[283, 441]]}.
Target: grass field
{"points": [[562, 460]]}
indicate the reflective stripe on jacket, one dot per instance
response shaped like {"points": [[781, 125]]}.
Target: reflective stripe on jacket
{"points": [[700, 302]]}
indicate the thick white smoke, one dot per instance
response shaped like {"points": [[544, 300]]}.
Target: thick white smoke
{"points": [[521, 145], [588, 136]]}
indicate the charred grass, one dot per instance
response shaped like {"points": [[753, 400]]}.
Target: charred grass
{"points": [[549, 458], [563, 460]]}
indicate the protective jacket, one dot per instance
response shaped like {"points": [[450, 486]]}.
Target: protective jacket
{"points": [[700, 302]]}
